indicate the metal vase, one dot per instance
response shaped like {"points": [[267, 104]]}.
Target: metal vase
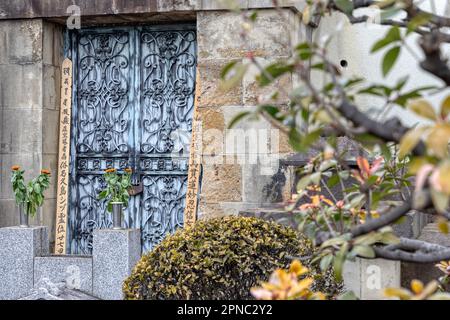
{"points": [[23, 216], [117, 208]]}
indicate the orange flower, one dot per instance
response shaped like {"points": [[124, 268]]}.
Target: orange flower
{"points": [[110, 170], [365, 169], [128, 170], [15, 168], [45, 171]]}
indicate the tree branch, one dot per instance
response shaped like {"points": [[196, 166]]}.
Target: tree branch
{"points": [[434, 63], [417, 256], [386, 219]]}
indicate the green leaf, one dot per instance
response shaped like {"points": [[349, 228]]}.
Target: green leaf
{"points": [[339, 261], [410, 140], [440, 200], [325, 262], [391, 36], [304, 51], [272, 72], [303, 183], [363, 251], [389, 60], [445, 107], [422, 108], [344, 5], [238, 118], [232, 81]]}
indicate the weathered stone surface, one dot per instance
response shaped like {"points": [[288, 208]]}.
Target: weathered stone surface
{"points": [[211, 94], [50, 131], [431, 233], [18, 248], [254, 94], [13, 9], [11, 219], [51, 87], [219, 35], [21, 86], [47, 218], [45, 289], [74, 271], [20, 131], [115, 253], [368, 277], [210, 210], [414, 222], [425, 271], [24, 41], [272, 214], [224, 183]]}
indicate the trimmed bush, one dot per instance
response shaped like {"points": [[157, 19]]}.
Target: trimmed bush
{"points": [[220, 259]]}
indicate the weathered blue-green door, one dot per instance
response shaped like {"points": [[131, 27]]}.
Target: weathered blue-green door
{"points": [[133, 96]]}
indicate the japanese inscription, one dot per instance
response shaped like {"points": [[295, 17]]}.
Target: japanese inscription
{"points": [[190, 210], [64, 156]]}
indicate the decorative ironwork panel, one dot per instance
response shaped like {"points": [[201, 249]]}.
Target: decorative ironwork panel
{"points": [[167, 77], [133, 103], [103, 86]]}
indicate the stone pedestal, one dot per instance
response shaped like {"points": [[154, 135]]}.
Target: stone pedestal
{"points": [[367, 278], [115, 253], [18, 248]]}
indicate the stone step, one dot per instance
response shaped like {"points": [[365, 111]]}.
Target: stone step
{"points": [[431, 233], [425, 271]]}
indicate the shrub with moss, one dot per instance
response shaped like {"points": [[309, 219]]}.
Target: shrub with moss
{"points": [[220, 259]]}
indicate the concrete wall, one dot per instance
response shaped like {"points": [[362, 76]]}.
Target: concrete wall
{"points": [[30, 55], [353, 43]]}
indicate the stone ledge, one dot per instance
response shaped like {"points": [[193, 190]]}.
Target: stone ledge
{"points": [[13, 9]]}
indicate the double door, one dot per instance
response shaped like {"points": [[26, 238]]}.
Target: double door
{"points": [[133, 98]]}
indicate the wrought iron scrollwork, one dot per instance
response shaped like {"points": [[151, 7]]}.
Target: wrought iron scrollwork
{"points": [[134, 100]]}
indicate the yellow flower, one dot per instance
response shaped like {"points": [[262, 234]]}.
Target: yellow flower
{"points": [[418, 292], [297, 268], [128, 170], [444, 266], [284, 285], [15, 168], [110, 170], [45, 171]]}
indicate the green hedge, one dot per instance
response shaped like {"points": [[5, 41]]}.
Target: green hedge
{"points": [[219, 259]]}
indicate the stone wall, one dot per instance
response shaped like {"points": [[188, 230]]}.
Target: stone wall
{"points": [[31, 48], [30, 55], [231, 180]]}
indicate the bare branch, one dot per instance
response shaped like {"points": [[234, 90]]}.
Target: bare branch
{"points": [[406, 256], [434, 63], [386, 219]]}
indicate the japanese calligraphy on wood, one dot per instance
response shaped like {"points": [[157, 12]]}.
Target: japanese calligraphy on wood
{"points": [[64, 156], [190, 210]]}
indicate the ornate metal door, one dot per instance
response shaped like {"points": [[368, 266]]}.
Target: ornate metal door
{"points": [[133, 103]]}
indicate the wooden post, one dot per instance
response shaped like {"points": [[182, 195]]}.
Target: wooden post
{"points": [[193, 182], [65, 114]]}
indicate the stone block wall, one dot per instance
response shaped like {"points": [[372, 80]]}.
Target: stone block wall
{"points": [[30, 56], [31, 45], [233, 180]]}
